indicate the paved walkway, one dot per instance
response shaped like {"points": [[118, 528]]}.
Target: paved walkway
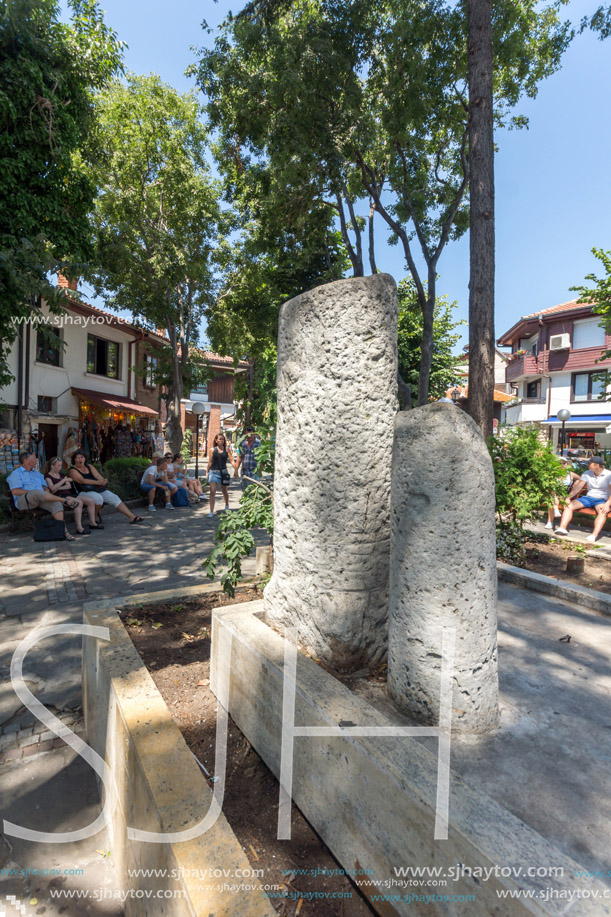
{"points": [[46, 584]]}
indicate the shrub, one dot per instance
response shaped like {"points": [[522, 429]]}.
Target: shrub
{"points": [[527, 474], [233, 538], [124, 475], [187, 445]]}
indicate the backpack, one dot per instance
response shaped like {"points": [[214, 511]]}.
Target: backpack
{"points": [[180, 497], [49, 529]]}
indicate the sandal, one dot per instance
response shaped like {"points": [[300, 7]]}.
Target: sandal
{"points": [[82, 532], [136, 519], [70, 537]]}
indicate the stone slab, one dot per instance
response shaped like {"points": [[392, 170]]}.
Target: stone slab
{"points": [[373, 800], [157, 785]]}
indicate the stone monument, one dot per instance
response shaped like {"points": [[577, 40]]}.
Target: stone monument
{"points": [[443, 567], [337, 398]]}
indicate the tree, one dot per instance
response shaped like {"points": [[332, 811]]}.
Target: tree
{"points": [[481, 215], [355, 102], [49, 72], [599, 296], [443, 365], [243, 319], [157, 219]]}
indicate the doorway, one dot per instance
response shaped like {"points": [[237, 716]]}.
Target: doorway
{"points": [[51, 441]]}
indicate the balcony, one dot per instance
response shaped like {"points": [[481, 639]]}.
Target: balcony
{"points": [[526, 410], [519, 367]]}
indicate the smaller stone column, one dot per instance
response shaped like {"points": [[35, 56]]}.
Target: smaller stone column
{"points": [[443, 567]]}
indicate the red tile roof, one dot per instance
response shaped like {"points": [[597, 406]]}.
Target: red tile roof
{"points": [[562, 307], [464, 393]]}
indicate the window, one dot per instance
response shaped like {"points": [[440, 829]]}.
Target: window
{"points": [[150, 364], [47, 405], [48, 347], [587, 386], [533, 389], [588, 334], [103, 357]]}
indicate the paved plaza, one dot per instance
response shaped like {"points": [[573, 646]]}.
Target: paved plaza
{"points": [[43, 783]]}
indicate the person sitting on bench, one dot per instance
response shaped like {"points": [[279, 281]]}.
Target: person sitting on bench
{"points": [[598, 480], [30, 490]]}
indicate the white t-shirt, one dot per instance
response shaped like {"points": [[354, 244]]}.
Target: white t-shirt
{"points": [[599, 486], [151, 470]]}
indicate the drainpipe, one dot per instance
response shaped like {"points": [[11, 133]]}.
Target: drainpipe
{"points": [[20, 387], [26, 399], [129, 370], [547, 376]]}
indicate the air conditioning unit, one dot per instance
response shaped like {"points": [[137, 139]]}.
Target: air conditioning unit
{"points": [[560, 341]]}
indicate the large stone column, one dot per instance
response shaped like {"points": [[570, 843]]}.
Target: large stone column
{"points": [[337, 398], [442, 567]]}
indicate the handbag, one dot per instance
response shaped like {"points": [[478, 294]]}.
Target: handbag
{"points": [[225, 478], [88, 488], [49, 529]]}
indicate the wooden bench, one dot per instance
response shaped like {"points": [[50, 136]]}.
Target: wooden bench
{"points": [[31, 516], [17, 516]]}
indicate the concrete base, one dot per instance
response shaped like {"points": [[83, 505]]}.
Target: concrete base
{"points": [[158, 786], [372, 800]]}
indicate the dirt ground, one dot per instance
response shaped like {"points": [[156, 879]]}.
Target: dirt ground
{"points": [[174, 643], [549, 558]]}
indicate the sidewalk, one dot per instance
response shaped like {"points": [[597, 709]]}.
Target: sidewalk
{"points": [[43, 784], [577, 535]]}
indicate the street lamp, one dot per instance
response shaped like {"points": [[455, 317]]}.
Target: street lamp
{"points": [[563, 414], [455, 395], [198, 409]]}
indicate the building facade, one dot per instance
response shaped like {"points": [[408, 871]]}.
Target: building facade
{"points": [[556, 362]]}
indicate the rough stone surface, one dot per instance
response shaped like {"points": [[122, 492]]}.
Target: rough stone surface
{"points": [[443, 567], [337, 396]]}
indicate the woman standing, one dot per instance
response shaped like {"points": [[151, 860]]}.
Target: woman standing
{"points": [[217, 470], [61, 485]]}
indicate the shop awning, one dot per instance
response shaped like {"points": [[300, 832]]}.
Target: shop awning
{"points": [[114, 402], [591, 420]]}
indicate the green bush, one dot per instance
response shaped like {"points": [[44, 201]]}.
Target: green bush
{"points": [[124, 475], [187, 446], [233, 538], [527, 474]]}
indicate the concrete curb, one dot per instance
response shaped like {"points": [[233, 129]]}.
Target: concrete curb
{"points": [[157, 784], [568, 592]]}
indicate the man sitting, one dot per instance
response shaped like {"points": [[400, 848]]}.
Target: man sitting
{"points": [[598, 480], [30, 491], [155, 477]]}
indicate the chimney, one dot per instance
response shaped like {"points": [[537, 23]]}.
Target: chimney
{"points": [[66, 284]]}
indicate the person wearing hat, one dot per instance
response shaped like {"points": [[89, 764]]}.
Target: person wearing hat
{"points": [[570, 478], [247, 458], [598, 497]]}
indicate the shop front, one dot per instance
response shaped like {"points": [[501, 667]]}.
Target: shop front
{"points": [[586, 435], [110, 426]]}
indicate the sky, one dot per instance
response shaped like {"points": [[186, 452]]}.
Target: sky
{"points": [[553, 183]]}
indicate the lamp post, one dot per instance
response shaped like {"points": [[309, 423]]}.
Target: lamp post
{"points": [[563, 414], [198, 409], [455, 395]]}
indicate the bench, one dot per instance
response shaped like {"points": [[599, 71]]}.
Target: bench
{"points": [[17, 516], [31, 516]]}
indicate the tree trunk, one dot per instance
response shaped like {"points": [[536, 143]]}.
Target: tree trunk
{"points": [[173, 428], [251, 393], [481, 168], [426, 347], [372, 254]]}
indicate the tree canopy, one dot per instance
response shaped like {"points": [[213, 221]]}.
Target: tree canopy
{"points": [[354, 104], [157, 219], [445, 338], [49, 72]]}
